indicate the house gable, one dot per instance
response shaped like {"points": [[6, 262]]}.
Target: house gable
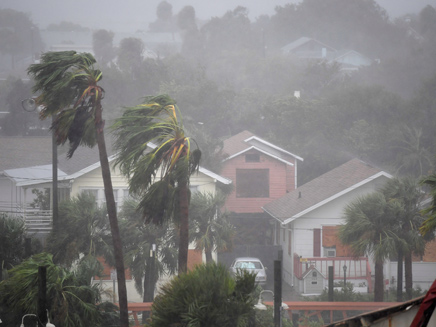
{"points": [[260, 171]]}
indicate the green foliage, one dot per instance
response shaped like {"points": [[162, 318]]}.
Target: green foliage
{"points": [[12, 234], [72, 300], [155, 124], [211, 229], [429, 225], [184, 300], [85, 231], [42, 200], [138, 239]]}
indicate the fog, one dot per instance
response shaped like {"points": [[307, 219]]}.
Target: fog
{"points": [[131, 15]]}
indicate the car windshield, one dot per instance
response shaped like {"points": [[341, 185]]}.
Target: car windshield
{"points": [[248, 265]]}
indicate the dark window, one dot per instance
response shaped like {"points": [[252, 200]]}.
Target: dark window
{"points": [[252, 157], [317, 242], [252, 183]]}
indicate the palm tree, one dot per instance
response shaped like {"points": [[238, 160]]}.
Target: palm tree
{"points": [[154, 124], [369, 227], [149, 250], [84, 231], [211, 229], [406, 192], [68, 85], [138, 243]]}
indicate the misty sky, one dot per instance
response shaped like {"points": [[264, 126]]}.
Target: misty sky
{"points": [[131, 15]]}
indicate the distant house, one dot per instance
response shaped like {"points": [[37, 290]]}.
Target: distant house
{"points": [[306, 48], [350, 60], [261, 172], [307, 219]]}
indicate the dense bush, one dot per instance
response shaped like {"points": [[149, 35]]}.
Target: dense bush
{"points": [[206, 296]]}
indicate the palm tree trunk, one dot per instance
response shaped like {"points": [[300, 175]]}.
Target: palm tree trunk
{"points": [[183, 229], [400, 276], [112, 214], [208, 253], [408, 274], [378, 284], [148, 287]]}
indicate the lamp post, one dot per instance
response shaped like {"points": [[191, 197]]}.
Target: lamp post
{"points": [[30, 105], [345, 275]]}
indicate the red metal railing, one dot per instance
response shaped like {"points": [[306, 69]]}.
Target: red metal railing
{"points": [[306, 309]]}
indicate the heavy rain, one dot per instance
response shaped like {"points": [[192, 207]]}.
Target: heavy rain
{"points": [[217, 163]]}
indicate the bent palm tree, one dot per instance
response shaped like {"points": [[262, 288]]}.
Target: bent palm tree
{"points": [[68, 85], [154, 124], [369, 225]]}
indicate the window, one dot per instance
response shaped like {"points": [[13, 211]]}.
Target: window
{"points": [[252, 183], [252, 157], [317, 242]]}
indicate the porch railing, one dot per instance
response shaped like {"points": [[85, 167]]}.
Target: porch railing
{"points": [[357, 268], [36, 221]]}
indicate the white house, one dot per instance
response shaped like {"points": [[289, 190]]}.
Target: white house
{"points": [[307, 220]]}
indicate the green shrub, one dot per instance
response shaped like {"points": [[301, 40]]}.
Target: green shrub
{"points": [[208, 296]]}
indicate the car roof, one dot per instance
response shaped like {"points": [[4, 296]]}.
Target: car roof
{"points": [[247, 259]]}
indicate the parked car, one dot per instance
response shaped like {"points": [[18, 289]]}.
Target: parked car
{"points": [[253, 265]]}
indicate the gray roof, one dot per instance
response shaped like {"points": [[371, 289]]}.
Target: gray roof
{"points": [[322, 189], [25, 151]]}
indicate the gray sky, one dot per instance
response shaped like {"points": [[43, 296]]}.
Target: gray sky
{"points": [[131, 15]]}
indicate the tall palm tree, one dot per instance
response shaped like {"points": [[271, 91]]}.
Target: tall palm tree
{"points": [[67, 83], [406, 192], [370, 222], [211, 229], [154, 124]]}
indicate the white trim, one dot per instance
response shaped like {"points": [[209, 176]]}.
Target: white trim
{"points": [[273, 146], [337, 195], [262, 151]]}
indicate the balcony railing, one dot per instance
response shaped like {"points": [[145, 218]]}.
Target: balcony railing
{"points": [[36, 221]]}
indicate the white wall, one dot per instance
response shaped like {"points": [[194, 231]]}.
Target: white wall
{"points": [[329, 214]]}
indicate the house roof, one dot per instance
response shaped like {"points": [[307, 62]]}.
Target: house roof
{"points": [[27, 153], [322, 190], [24, 151], [291, 47], [32, 175], [245, 141]]}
